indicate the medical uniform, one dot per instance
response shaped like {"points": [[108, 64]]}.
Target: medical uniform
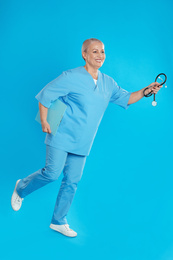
{"points": [[86, 102]]}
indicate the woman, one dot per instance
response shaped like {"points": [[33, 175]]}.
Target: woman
{"points": [[86, 92]]}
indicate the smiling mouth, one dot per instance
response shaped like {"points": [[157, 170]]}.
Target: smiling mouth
{"points": [[99, 60]]}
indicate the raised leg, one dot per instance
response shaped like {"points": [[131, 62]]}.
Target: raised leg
{"points": [[55, 160]]}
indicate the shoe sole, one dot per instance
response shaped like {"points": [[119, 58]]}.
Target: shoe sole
{"points": [[12, 194], [55, 228]]}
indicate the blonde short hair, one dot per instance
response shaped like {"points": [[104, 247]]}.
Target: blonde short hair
{"points": [[86, 44]]}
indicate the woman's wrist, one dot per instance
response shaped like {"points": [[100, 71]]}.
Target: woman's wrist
{"points": [[43, 121], [146, 91]]}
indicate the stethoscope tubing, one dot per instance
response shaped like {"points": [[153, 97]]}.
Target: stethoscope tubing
{"points": [[164, 80], [150, 94], [160, 83]]}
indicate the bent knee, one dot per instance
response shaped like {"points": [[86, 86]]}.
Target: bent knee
{"points": [[51, 174]]}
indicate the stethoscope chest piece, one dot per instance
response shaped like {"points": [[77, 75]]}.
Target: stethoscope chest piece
{"points": [[154, 103]]}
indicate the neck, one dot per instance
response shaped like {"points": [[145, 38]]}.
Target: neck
{"points": [[92, 71]]}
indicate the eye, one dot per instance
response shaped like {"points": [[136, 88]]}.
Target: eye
{"points": [[96, 51]]}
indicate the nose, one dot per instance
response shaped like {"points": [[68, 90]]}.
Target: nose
{"points": [[100, 57]]}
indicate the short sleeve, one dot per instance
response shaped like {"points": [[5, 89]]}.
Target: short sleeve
{"points": [[54, 89], [120, 96]]}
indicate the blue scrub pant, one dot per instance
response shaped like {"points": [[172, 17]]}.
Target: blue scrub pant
{"points": [[56, 161]]}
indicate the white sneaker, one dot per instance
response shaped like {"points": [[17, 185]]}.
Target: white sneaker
{"points": [[64, 229], [16, 200]]}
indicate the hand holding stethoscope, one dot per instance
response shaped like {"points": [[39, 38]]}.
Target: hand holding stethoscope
{"points": [[155, 87]]}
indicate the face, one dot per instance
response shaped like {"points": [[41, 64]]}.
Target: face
{"points": [[95, 55]]}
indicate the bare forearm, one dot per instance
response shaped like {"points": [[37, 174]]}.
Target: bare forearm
{"points": [[137, 95], [153, 88], [43, 113]]}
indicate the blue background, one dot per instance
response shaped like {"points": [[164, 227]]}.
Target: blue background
{"points": [[123, 205]]}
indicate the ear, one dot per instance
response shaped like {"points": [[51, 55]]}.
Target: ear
{"points": [[84, 55]]}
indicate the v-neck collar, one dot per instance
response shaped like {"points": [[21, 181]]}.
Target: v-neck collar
{"points": [[98, 75]]}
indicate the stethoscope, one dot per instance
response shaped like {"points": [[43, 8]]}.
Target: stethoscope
{"points": [[154, 103]]}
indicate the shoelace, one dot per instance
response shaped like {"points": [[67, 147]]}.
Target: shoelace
{"points": [[67, 227], [18, 199]]}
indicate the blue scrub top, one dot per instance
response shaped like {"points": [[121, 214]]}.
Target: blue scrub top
{"points": [[86, 103]]}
